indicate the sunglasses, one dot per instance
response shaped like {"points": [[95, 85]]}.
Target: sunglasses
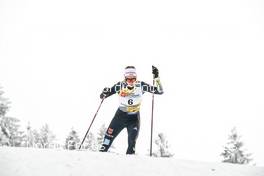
{"points": [[130, 79]]}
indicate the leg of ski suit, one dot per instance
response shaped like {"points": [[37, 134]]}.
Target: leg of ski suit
{"points": [[132, 131], [120, 121]]}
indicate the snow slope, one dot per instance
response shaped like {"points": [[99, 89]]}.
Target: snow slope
{"points": [[50, 162]]}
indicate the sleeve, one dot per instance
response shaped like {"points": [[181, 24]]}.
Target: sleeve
{"points": [[114, 89], [156, 89]]}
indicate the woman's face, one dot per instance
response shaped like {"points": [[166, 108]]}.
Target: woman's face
{"points": [[130, 80]]}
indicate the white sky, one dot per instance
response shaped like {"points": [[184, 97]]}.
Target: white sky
{"points": [[57, 55]]}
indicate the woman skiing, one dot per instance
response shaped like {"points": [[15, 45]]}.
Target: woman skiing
{"points": [[130, 93]]}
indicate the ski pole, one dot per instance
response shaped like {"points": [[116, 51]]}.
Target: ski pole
{"points": [[152, 110], [91, 123]]}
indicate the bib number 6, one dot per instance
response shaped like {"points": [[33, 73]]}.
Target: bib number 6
{"points": [[130, 101]]}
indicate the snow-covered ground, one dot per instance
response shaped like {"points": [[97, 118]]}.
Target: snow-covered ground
{"points": [[50, 162]]}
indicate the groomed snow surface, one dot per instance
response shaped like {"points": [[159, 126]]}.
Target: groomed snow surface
{"points": [[50, 162]]}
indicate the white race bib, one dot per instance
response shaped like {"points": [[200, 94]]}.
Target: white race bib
{"points": [[130, 100]]}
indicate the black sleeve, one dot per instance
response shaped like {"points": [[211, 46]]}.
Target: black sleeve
{"points": [[114, 89], [151, 89]]}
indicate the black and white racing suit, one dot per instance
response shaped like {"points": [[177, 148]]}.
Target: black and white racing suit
{"points": [[128, 115]]}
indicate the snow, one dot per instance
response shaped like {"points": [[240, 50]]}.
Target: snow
{"points": [[56, 162]]}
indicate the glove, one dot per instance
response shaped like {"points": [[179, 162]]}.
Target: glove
{"points": [[105, 92], [155, 72]]}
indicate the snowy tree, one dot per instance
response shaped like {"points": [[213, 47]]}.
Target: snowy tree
{"points": [[233, 151], [100, 135], [29, 139], [4, 133], [162, 147], [72, 140], [9, 126], [4, 104], [36, 139], [3, 136], [16, 136], [10, 133], [90, 142], [46, 137]]}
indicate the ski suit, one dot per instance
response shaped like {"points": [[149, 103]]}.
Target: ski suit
{"points": [[128, 115]]}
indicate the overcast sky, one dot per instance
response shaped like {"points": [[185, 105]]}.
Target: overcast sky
{"points": [[57, 55]]}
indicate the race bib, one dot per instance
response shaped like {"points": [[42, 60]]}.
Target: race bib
{"points": [[130, 100]]}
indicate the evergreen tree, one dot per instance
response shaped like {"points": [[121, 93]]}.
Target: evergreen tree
{"points": [[15, 136], [9, 126], [36, 139], [162, 147], [233, 151], [100, 138], [90, 142], [72, 140], [4, 133], [100, 135], [46, 137], [29, 140], [4, 104]]}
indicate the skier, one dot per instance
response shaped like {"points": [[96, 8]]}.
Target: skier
{"points": [[130, 93]]}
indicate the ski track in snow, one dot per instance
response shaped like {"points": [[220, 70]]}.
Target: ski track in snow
{"points": [[50, 162]]}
